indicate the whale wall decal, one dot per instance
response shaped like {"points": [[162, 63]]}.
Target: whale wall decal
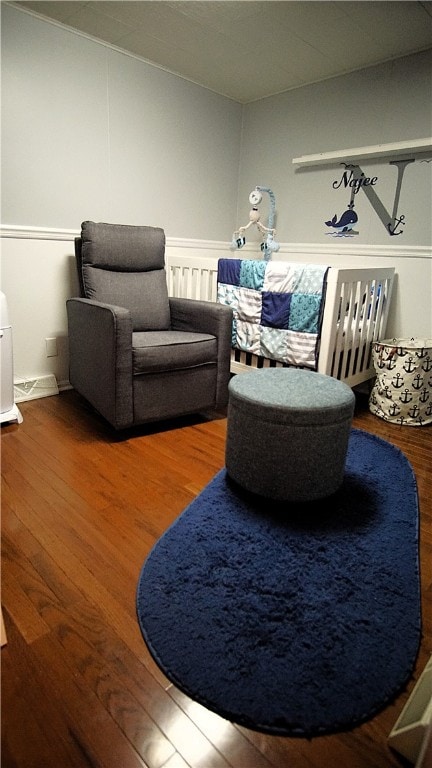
{"points": [[346, 221]]}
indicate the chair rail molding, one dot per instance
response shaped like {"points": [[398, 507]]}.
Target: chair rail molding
{"points": [[220, 247], [21, 232]]}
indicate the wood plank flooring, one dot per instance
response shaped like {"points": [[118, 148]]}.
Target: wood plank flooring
{"points": [[81, 508]]}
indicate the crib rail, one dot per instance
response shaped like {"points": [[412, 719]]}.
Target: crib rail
{"points": [[191, 278], [355, 314]]}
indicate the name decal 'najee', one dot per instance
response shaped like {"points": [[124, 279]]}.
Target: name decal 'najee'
{"points": [[349, 180], [354, 179]]}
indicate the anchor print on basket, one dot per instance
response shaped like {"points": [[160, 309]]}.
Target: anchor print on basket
{"points": [[402, 392]]}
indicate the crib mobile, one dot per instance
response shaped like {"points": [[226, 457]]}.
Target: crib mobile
{"points": [[269, 245]]}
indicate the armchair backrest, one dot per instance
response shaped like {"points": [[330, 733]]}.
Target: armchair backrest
{"points": [[125, 266]]}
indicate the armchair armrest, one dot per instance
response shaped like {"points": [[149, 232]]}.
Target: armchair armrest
{"points": [[100, 357], [200, 316], [207, 317]]}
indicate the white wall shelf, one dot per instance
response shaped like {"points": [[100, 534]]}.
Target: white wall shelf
{"points": [[413, 146]]}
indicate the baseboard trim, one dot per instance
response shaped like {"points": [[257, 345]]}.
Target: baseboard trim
{"points": [[32, 389]]}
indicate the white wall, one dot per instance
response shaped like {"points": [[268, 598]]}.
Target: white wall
{"points": [[38, 275], [91, 133], [388, 103]]}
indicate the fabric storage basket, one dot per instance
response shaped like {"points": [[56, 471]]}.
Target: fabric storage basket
{"points": [[402, 392]]}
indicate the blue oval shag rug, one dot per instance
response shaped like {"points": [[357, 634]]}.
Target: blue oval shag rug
{"points": [[291, 619]]}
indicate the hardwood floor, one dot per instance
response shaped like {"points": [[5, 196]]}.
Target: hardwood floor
{"points": [[81, 508]]}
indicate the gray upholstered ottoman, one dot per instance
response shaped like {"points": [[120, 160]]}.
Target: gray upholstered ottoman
{"points": [[288, 433]]}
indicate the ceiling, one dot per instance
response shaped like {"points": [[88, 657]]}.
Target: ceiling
{"points": [[249, 50]]}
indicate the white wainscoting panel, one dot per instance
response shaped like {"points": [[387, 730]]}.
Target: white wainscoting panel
{"points": [[38, 275]]}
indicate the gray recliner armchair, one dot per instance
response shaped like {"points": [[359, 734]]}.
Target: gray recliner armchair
{"points": [[136, 354]]}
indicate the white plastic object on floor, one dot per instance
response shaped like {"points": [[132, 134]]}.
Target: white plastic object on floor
{"points": [[8, 409], [410, 735]]}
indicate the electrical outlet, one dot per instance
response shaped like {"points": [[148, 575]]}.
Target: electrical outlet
{"points": [[51, 347]]}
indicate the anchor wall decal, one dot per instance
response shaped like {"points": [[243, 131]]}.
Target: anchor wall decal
{"points": [[400, 220]]}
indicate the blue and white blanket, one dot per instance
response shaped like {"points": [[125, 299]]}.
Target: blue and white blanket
{"points": [[277, 307]]}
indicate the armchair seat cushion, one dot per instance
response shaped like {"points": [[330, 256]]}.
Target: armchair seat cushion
{"points": [[157, 351]]}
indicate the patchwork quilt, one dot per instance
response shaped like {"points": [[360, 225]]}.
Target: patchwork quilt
{"points": [[277, 307]]}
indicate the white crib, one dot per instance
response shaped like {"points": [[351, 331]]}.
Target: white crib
{"points": [[355, 314]]}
